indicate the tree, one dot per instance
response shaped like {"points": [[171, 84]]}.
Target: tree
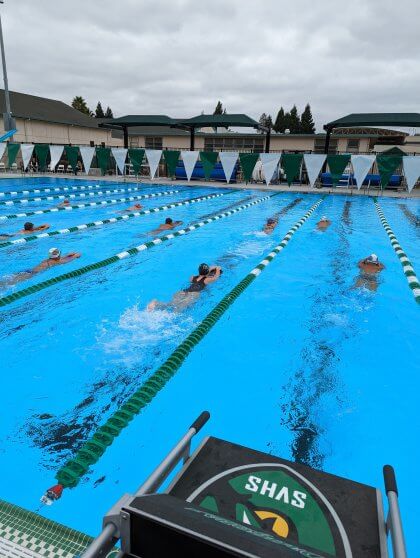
{"points": [[294, 121], [266, 121], [279, 124], [219, 109], [307, 124], [109, 113], [99, 113], [79, 103]]}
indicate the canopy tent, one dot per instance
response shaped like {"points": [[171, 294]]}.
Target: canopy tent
{"points": [[401, 119], [190, 124], [218, 121], [131, 120]]}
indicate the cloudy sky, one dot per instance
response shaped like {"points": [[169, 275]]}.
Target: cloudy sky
{"points": [[179, 57]]}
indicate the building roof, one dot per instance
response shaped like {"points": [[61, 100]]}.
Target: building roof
{"points": [[139, 120], [46, 110], [219, 120], [403, 119]]}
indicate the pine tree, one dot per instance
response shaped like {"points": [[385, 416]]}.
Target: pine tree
{"points": [[79, 103], [99, 113], [294, 121], [279, 123], [109, 113], [219, 109], [265, 121], [307, 124]]}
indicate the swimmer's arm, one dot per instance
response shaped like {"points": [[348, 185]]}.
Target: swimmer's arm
{"points": [[177, 223], [69, 257], [42, 227], [215, 275]]}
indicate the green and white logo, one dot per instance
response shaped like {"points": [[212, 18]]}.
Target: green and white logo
{"points": [[276, 499]]}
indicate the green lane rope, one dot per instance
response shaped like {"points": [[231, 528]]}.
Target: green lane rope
{"points": [[51, 189], [124, 217], [71, 472], [4, 301], [71, 196], [408, 269], [89, 204]]}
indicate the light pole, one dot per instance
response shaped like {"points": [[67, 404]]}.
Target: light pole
{"points": [[7, 116]]}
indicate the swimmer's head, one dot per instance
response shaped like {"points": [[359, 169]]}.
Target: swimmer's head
{"points": [[203, 269], [54, 253], [168, 221], [271, 221], [28, 226], [66, 202], [373, 258], [323, 218]]}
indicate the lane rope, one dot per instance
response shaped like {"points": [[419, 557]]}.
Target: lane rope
{"points": [[408, 268], [57, 189], [8, 299], [71, 472], [71, 196], [90, 204], [124, 217]]}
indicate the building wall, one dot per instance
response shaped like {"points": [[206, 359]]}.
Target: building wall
{"points": [[35, 131]]}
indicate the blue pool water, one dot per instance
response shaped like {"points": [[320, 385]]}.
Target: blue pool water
{"points": [[304, 365]]}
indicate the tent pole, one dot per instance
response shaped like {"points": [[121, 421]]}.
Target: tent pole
{"points": [[192, 138], [125, 131], [267, 140]]}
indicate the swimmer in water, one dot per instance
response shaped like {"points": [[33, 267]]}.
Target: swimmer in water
{"points": [[181, 299], [135, 207], [323, 224], [64, 203], [270, 225], [369, 269], [28, 228], [168, 225], [54, 258]]}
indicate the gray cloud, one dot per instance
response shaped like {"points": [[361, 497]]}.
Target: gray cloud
{"points": [[179, 57]]}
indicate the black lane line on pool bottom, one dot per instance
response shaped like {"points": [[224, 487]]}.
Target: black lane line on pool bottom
{"points": [[413, 219], [316, 377]]}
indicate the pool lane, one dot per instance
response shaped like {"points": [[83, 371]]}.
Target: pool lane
{"points": [[128, 252]]}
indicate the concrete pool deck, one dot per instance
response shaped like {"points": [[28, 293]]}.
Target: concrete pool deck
{"points": [[306, 189]]}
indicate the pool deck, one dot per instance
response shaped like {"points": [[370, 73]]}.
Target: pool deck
{"points": [[403, 194]]}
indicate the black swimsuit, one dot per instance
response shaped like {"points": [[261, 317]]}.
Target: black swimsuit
{"points": [[197, 285]]}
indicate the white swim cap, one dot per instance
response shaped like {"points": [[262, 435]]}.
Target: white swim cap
{"points": [[324, 218], [54, 253], [373, 257]]}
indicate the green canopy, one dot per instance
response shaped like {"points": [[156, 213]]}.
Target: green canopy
{"points": [[103, 155], [291, 164], [136, 159], [12, 151], [337, 165], [72, 154], [387, 165], [171, 160], [208, 159], [248, 161], [42, 151]]}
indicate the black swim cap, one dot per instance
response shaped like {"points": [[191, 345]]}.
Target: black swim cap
{"points": [[168, 221], [270, 221], [28, 226], [203, 269]]}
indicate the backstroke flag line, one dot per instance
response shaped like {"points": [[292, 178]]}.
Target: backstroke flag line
{"points": [[313, 164], [361, 166], [190, 159], [56, 151], [270, 163], [120, 155], [27, 150], [228, 160], [87, 155], [411, 166], [153, 158]]}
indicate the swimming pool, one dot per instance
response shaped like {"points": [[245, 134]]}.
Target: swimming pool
{"points": [[303, 364]]}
